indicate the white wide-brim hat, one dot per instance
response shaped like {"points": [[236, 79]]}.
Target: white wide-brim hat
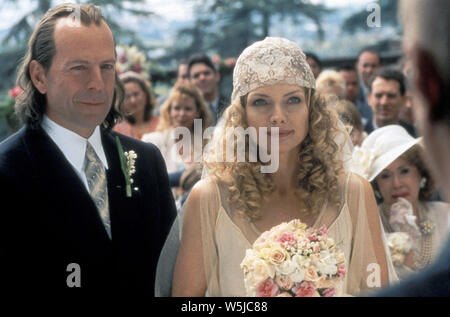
{"points": [[380, 148]]}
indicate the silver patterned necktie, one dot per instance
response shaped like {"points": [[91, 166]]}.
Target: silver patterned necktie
{"points": [[96, 178]]}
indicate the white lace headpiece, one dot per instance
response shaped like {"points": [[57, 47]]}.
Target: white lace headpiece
{"points": [[272, 61]]}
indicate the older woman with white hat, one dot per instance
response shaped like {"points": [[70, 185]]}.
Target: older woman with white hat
{"points": [[416, 227]]}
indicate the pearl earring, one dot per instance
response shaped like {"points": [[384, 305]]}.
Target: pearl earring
{"points": [[423, 182]]}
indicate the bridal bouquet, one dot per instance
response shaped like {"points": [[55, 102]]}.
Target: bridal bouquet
{"points": [[291, 260]]}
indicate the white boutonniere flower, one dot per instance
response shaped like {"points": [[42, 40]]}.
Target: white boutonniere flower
{"points": [[127, 163]]}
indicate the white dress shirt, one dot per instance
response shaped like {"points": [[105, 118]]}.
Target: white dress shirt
{"points": [[73, 146]]}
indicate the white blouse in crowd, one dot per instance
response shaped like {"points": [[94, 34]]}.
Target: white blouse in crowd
{"points": [[165, 142]]}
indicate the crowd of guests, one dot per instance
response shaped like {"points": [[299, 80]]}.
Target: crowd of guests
{"points": [[389, 187]]}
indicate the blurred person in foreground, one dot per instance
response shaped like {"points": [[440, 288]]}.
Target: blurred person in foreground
{"points": [[426, 43]]}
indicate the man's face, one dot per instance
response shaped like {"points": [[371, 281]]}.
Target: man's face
{"points": [[204, 78], [367, 63], [183, 75], [315, 68], [385, 101], [79, 85], [351, 84]]}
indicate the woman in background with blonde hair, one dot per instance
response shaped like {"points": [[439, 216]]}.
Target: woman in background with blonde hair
{"points": [[330, 82], [182, 107], [351, 118]]}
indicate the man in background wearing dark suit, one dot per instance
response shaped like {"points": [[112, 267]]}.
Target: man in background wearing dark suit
{"points": [[204, 75], [82, 218], [367, 63], [386, 98], [426, 43]]}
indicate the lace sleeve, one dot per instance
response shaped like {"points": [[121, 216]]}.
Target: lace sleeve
{"points": [[369, 266], [196, 265]]}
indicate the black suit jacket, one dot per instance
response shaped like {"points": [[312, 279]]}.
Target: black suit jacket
{"points": [[369, 128], [51, 220]]}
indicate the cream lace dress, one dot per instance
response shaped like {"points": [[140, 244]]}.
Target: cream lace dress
{"points": [[226, 236]]}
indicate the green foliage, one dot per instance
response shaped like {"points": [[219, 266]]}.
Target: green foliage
{"points": [[226, 27], [7, 112]]}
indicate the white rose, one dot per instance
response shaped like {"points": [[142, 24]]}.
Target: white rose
{"points": [[260, 271], [301, 261], [249, 259], [286, 268], [298, 276], [327, 269]]}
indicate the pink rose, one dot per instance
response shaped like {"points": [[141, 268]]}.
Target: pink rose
{"points": [[123, 58], [341, 270], [305, 289], [287, 238], [303, 243], [323, 230], [329, 292], [312, 237], [13, 93], [284, 282], [136, 68], [267, 289]]}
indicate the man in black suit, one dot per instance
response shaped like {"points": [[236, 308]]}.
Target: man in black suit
{"points": [[386, 97], [426, 26], [203, 74], [367, 63], [76, 223]]}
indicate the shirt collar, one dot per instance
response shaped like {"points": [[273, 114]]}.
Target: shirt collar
{"points": [[73, 145]]}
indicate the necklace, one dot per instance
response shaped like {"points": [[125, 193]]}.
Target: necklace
{"points": [[426, 249], [423, 257]]}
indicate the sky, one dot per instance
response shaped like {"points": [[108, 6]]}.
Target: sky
{"points": [[168, 10]]}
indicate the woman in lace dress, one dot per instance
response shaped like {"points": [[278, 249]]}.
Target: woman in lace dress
{"points": [[273, 87], [392, 161]]}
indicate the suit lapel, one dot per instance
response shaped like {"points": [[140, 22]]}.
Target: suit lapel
{"points": [[63, 190]]}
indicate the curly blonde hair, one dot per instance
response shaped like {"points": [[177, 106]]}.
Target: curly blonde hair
{"points": [[179, 91], [319, 168]]}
